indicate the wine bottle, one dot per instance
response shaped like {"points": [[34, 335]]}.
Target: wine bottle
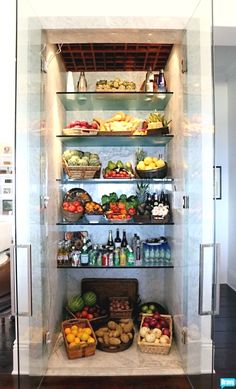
{"points": [[161, 82], [82, 83], [84, 258], [110, 241], [124, 242], [117, 239]]}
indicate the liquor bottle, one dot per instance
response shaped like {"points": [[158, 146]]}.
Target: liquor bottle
{"points": [[124, 242], [167, 202], [117, 239], [82, 83], [134, 244], [84, 258], [162, 197], [155, 201], [60, 253], [155, 83], [161, 82], [138, 249], [110, 241]]}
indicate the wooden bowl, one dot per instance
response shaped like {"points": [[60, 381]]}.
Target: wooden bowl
{"points": [[153, 173]]}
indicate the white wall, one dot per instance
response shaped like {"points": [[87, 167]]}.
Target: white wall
{"points": [[221, 159]]}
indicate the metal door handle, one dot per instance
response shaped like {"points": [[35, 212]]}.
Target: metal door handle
{"points": [[215, 295], [14, 282]]}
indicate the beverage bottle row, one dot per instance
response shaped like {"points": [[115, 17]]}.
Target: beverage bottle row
{"points": [[155, 82], [117, 252]]}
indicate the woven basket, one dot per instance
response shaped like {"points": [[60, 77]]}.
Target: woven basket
{"points": [[79, 351], [81, 172], [121, 314], [71, 216], [152, 348]]}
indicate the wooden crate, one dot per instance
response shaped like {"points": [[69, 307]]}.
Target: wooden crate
{"points": [[152, 348], [78, 351], [121, 314]]}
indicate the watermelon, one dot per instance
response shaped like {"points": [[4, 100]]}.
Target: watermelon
{"points": [[89, 298], [76, 303]]}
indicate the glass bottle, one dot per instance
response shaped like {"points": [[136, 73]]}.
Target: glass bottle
{"points": [[122, 257], [84, 258], [124, 242], [117, 239], [110, 241], [82, 83], [138, 249], [149, 81], [130, 256], [134, 244], [161, 82], [60, 254]]}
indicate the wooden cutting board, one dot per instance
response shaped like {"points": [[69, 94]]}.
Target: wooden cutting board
{"points": [[111, 287]]}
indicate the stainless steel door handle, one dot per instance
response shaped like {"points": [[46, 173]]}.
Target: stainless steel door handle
{"points": [[15, 306], [214, 294]]}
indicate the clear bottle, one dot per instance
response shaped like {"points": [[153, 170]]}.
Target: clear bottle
{"points": [[82, 83], [130, 256], [124, 242], [110, 241], [134, 244], [149, 82], [117, 239], [84, 258], [161, 82]]}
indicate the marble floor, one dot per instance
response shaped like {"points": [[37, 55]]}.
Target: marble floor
{"points": [[131, 362]]}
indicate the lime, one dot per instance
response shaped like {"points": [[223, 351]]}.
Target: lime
{"points": [[144, 308]]}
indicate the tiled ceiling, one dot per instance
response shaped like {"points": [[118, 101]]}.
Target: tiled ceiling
{"points": [[92, 57]]}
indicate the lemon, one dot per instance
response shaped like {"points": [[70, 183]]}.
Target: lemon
{"points": [[141, 165], [154, 159], [90, 340], [70, 338], [74, 328], [88, 330], [152, 165], [84, 337], [67, 331], [147, 160], [160, 163], [74, 332]]}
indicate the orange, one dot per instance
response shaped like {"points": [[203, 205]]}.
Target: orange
{"points": [[88, 330], [74, 332], [77, 340], [70, 338], [67, 331], [72, 345], [84, 337]]}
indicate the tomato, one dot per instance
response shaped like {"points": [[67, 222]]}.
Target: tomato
{"points": [[90, 316], [78, 315], [76, 203], [80, 209], [71, 208], [65, 204], [131, 211], [84, 313], [121, 205]]}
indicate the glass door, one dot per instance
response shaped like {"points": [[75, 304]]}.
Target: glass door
{"points": [[28, 256], [200, 278]]}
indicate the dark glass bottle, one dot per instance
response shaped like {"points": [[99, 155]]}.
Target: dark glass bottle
{"points": [[110, 241], [117, 239], [124, 242], [84, 258]]}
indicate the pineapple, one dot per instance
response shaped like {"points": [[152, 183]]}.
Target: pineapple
{"points": [[141, 192], [140, 155]]}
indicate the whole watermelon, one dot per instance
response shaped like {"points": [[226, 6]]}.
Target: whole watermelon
{"points": [[76, 303], [89, 298]]}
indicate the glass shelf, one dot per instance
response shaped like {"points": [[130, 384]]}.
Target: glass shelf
{"points": [[84, 222], [65, 181], [143, 265], [107, 141], [96, 101]]}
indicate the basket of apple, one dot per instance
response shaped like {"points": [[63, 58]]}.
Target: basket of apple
{"points": [[155, 334]]}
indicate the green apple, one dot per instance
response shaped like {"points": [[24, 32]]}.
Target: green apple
{"points": [[152, 307], [144, 308]]}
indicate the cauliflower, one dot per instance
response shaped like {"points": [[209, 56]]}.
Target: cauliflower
{"points": [[74, 161]]}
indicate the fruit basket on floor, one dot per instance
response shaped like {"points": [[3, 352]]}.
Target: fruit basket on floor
{"points": [[115, 335], [79, 338], [155, 334]]}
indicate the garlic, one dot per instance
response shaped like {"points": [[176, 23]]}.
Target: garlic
{"points": [[143, 331], [157, 332], [164, 339], [150, 338]]}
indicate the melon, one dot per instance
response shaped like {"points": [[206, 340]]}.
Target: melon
{"points": [[89, 298], [76, 303]]}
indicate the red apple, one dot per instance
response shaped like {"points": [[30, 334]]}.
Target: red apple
{"points": [[158, 326], [157, 316], [145, 324], [164, 323], [165, 331], [86, 308], [78, 315], [153, 323], [89, 316]]}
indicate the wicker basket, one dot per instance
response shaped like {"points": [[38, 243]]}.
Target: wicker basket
{"points": [[81, 172], [121, 314], [152, 348], [79, 131], [71, 216], [79, 351]]}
